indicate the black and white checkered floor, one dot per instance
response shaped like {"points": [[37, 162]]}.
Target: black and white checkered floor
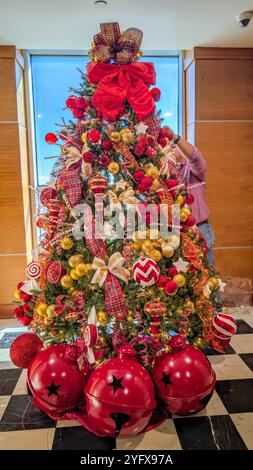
{"points": [[226, 423]]}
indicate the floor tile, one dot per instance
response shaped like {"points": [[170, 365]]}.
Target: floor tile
{"points": [[21, 414], [21, 386], [68, 423], [37, 439], [8, 380], [209, 433], [212, 352], [244, 424], [77, 438], [242, 343], [164, 437], [237, 395], [229, 367], [243, 327], [4, 400], [248, 359], [214, 407]]}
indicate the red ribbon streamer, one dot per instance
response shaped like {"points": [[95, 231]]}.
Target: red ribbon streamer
{"points": [[117, 83]]}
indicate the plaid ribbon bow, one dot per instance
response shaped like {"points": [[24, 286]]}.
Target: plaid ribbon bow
{"points": [[114, 299], [111, 45]]}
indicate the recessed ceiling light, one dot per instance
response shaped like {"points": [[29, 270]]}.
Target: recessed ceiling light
{"points": [[101, 3]]}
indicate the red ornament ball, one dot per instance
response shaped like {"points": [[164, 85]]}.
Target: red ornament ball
{"points": [[139, 150], [78, 113], [223, 328], [189, 199], [150, 152], [104, 159], [51, 138], [190, 221], [93, 136], [88, 157], [120, 396], [162, 280], [184, 379], [138, 176], [162, 141], [166, 132], [55, 380], [172, 271], [107, 145], [71, 102], [80, 102], [156, 94], [170, 287], [146, 182], [24, 348]]}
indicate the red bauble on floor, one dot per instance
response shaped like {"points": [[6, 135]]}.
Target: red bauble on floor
{"points": [[184, 378]]}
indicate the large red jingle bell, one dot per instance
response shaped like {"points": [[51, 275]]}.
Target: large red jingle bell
{"points": [[120, 396], [184, 378], [55, 380]]}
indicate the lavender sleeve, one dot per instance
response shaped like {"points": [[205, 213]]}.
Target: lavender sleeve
{"points": [[197, 164]]}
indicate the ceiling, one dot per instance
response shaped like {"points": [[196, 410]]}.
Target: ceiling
{"points": [[167, 24]]}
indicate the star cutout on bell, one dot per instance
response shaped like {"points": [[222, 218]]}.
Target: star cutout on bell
{"points": [[222, 285], [141, 128], [166, 379], [53, 389], [116, 383], [181, 265]]}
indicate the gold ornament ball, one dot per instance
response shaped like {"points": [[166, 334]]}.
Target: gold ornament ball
{"points": [[179, 199], [81, 269], [180, 280], [67, 243], [155, 185], [147, 245], [179, 311], [155, 255], [183, 216], [127, 136], [136, 246], [167, 251], [129, 318], [74, 274], [115, 137], [71, 290], [41, 309], [16, 294], [51, 311], [113, 167], [88, 267], [102, 316], [66, 281], [84, 137], [189, 305], [74, 260], [152, 172]]}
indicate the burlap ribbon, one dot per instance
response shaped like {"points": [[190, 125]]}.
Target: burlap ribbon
{"points": [[111, 45]]}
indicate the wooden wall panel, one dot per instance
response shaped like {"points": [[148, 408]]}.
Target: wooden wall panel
{"points": [[229, 179], [12, 271], [224, 89], [13, 173], [235, 262], [223, 130]]}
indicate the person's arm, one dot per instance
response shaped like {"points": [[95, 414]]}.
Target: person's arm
{"points": [[192, 156]]}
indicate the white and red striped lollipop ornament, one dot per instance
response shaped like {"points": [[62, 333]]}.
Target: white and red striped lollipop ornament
{"points": [[223, 328], [91, 335], [33, 272]]}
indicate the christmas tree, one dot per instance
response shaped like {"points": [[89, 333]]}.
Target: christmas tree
{"points": [[106, 275]]}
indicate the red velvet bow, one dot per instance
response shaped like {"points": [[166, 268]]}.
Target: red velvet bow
{"points": [[120, 82]]}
